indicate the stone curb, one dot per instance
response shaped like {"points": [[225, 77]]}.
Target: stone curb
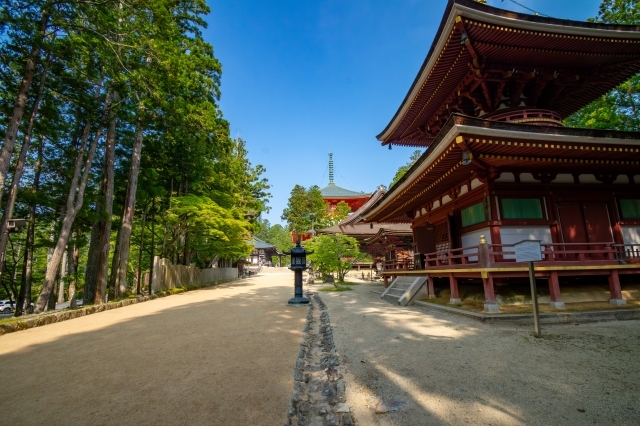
{"points": [[318, 397], [38, 320], [545, 318]]}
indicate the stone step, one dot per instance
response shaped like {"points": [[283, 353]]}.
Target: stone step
{"points": [[396, 292]]}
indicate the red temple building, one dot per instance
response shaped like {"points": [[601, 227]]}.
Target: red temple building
{"points": [[333, 194], [501, 167]]}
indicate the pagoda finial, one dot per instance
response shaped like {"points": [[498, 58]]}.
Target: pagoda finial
{"points": [[331, 168], [482, 1]]}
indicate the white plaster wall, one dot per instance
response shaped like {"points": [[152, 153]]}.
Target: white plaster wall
{"points": [[514, 234], [436, 204], [563, 178], [527, 178], [464, 189], [473, 239], [631, 234], [588, 179], [446, 199], [506, 177], [621, 180], [476, 183]]}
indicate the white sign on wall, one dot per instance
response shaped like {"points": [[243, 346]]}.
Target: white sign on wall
{"points": [[528, 251]]}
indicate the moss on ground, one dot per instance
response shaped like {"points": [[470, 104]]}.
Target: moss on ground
{"points": [[334, 288]]}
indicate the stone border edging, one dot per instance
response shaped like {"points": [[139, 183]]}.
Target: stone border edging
{"points": [[38, 320], [318, 397], [547, 318]]}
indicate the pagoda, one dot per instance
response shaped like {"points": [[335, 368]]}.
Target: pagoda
{"points": [[334, 194], [489, 103]]}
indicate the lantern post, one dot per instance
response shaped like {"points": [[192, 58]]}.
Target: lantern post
{"points": [[298, 264]]}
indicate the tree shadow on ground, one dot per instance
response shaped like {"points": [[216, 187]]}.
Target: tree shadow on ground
{"points": [[452, 370]]}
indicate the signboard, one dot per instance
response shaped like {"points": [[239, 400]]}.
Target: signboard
{"points": [[528, 251]]}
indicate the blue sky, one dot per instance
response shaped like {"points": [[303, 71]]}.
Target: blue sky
{"points": [[302, 78]]}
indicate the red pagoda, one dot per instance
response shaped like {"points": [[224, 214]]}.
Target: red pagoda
{"points": [[334, 194], [501, 167]]}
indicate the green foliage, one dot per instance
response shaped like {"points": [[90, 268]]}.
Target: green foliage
{"points": [[211, 229], [620, 108], [404, 169], [333, 253], [307, 211]]}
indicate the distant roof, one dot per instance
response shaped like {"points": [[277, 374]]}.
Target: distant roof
{"points": [[332, 190], [259, 244]]}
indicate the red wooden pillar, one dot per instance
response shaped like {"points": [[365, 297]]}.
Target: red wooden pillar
{"points": [[386, 281], [432, 292], [554, 291], [616, 291], [453, 283], [490, 304]]}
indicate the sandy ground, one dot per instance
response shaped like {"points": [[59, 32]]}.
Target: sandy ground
{"points": [[450, 370], [219, 356]]}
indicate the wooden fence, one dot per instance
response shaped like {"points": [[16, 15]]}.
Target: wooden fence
{"points": [[167, 276]]}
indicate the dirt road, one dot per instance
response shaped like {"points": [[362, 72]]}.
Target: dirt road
{"points": [[449, 370], [219, 356]]}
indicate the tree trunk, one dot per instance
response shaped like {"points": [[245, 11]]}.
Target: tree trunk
{"points": [[121, 257], [91, 271], [63, 275], [74, 204], [105, 223], [24, 297], [18, 108], [153, 242], [139, 274], [73, 250], [17, 175]]}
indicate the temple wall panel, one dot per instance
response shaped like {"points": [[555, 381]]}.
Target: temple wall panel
{"points": [[471, 239], [563, 178], [631, 234], [528, 178], [514, 234], [476, 183]]}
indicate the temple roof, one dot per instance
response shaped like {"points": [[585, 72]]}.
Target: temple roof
{"points": [[260, 245], [334, 191], [501, 146], [484, 60]]}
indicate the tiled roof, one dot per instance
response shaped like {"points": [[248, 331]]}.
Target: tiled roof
{"points": [[259, 244], [333, 190]]}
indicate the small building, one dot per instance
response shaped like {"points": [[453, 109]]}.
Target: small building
{"points": [[489, 104], [263, 254]]}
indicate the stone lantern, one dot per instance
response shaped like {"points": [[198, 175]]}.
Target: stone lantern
{"points": [[298, 264]]}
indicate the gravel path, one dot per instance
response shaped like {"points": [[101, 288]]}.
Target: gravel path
{"points": [[445, 369], [221, 356]]}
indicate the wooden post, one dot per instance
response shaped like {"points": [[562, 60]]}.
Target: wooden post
{"points": [[386, 281], [430, 287], [554, 291], [453, 284], [534, 300], [616, 291], [483, 253], [490, 304]]}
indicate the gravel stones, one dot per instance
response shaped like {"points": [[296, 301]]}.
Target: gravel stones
{"points": [[318, 397]]}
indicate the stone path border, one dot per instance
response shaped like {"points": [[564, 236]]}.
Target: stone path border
{"points": [[318, 397], [546, 318], [37, 320]]}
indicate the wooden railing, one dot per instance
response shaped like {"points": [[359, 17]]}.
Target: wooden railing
{"points": [[493, 255], [627, 252]]}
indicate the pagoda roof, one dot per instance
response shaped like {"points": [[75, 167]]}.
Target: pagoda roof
{"points": [[334, 191], [502, 146], [484, 59]]}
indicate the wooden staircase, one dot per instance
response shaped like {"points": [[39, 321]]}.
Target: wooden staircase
{"points": [[405, 290]]}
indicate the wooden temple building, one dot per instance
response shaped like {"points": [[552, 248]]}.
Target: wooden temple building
{"points": [[390, 243], [501, 167]]}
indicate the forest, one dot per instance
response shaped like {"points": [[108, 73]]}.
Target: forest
{"points": [[115, 150]]}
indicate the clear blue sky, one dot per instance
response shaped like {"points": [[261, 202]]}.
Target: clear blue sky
{"points": [[302, 78]]}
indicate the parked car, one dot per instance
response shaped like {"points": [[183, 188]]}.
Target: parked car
{"points": [[6, 306]]}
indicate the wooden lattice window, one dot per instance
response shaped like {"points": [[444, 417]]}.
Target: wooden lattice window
{"points": [[521, 208], [630, 208]]}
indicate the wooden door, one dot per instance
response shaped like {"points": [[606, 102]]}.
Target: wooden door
{"points": [[598, 226], [572, 225]]}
